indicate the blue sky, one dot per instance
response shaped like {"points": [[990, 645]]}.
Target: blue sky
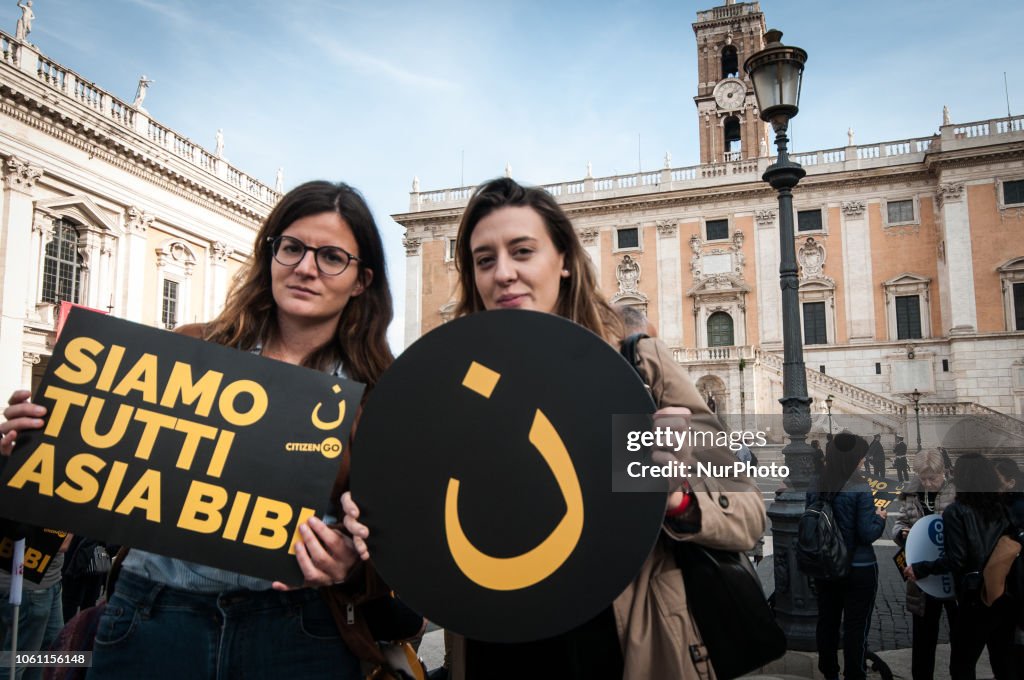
{"points": [[374, 95]]}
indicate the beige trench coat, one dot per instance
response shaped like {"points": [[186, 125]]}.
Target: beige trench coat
{"points": [[655, 628]]}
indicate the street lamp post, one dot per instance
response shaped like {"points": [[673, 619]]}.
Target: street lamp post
{"points": [[828, 405], [776, 72], [915, 397]]}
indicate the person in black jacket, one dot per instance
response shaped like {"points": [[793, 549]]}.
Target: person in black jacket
{"points": [[972, 525], [1012, 478], [850, 600]]}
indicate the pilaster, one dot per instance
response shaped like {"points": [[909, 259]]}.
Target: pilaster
{"points": [[959, 281], [413, 289], [670, 286], [769, 300], [137, 224], [16, 213], [220, 253], [860, 308]]}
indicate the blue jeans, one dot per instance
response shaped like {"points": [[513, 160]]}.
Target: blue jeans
{"points": [[155, 631], [40, 619], [848, 603]]}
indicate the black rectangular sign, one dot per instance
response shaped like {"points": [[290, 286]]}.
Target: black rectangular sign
{"points": [[41, 546], [178, 446]]}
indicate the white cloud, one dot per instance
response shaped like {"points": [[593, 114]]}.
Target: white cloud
{"points": [[372, 65]]}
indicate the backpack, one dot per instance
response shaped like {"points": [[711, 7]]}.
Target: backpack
{"points": [[820, 548]]}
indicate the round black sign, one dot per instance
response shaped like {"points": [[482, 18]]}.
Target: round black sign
{"points": [[483, 467]]}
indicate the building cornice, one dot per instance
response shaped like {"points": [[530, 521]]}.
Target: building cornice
{"points": [[101, 144]]}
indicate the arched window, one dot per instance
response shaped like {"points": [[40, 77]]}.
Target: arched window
{"points": [[730, 62], [62, 264], [720, 330], [731, 129]]}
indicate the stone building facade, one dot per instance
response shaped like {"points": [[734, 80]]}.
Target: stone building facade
{"points": [[911, 255], [104, 207]]}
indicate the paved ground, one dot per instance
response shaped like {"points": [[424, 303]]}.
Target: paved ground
{"points": [[889, 634]]}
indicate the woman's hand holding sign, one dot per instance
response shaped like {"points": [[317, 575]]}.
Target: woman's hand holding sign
{"points": [[676, 418], [20, 415], [325, 555], [354, 527]]}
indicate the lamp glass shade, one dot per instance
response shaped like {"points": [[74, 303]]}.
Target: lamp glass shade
{"points": [[777, 83]]}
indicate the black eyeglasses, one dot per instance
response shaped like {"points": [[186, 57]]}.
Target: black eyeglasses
{"points": [[330, 260]]}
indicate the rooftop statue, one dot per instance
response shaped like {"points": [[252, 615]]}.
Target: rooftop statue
{"points": [[24, 26]]}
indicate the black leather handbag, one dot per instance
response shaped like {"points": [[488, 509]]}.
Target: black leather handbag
{"points": [[725, 597]]}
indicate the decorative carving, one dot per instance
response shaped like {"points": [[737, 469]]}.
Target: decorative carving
{"points": [[221, 251], [137, 221], [811, 257], [20, 175], [951, 191], [667, 228], [588, 235], [42, 223], [853, 208], [765, 216], [30, 358], [412, 246], [628, 275], [739, 259]]}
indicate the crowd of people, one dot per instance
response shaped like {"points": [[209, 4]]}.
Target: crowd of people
{"points": [[982, 509], [315, 293]]}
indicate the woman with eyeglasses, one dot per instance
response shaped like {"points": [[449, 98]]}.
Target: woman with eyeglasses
{"points": [[314, 294]]}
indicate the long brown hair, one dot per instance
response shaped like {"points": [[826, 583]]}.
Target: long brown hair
{"points": [[250, 313], [579, 299]]}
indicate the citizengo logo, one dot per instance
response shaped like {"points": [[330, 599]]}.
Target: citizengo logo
{"points": [[330, 447]]}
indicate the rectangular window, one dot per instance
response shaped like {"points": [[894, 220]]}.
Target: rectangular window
{"points": [[1013, 192], [945, 365], [627, 238], [808, 220], [169, 311], [449, 250], [815, 332], [878, 368], [901, 211], [908, 317], [1018, 306], [717, 230]]}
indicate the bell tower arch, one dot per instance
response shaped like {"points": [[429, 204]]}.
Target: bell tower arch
{"points": [[730, 129]]}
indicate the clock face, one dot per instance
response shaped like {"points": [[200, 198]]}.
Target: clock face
{"points": [[729, 94]]}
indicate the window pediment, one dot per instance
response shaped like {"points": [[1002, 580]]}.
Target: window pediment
{"points": [[80, 209]]}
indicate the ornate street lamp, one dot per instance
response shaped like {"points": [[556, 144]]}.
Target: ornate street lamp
{"points": [[776, 72], [828, 405], [915, 397]]}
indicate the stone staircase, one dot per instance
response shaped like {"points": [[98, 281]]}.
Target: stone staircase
{"points": [[975, 425]]}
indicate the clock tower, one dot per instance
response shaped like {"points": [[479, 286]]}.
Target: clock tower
{"points": [[730, 129]]}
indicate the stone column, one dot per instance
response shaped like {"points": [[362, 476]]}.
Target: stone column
{"points": [[16, 214], [413, 289], [670, 285], [857, 272], [29, 360], [766, 246], [136, 224], [956, 233], [219, 254]]}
